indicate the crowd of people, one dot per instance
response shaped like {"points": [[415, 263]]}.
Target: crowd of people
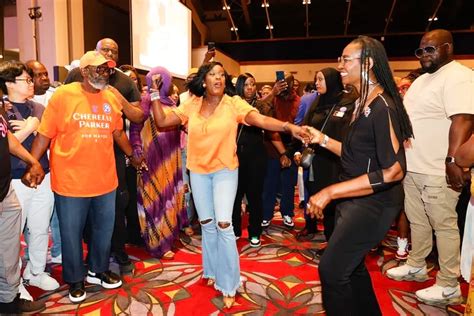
{"points": [[105, 160]]}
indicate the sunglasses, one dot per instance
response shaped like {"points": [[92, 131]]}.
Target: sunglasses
{"points": [[429, 50], [27, 80]]}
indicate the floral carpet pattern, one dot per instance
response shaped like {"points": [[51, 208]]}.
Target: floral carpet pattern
{"points": [[279, 278]]}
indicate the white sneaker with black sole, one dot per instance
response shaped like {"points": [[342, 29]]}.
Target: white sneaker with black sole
{"points": [[255, 242], [107, 279], [288, 221], [265, 223]]}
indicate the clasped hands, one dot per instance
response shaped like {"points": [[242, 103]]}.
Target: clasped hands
{"points": [[307, 134]]}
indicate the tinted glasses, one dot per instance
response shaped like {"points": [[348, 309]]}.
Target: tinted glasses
{"points": [[102, 69], [27, 80], [429, 50]]}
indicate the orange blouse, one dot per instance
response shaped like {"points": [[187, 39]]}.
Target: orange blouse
{"points": [[212, 141]]}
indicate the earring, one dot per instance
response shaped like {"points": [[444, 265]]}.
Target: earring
{"points": [[204, 85]]}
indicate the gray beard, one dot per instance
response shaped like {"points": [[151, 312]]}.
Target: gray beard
{"points": [[99, 85]]}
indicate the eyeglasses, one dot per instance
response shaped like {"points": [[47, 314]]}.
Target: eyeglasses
{"points": [[100, 70], [27, 80], [429, 50], [345, 59]]}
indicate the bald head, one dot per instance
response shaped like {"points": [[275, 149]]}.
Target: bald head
{"points": [[40, 76], [109, 48], [442, 41]]}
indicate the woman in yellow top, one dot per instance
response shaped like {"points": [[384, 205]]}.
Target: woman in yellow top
{"points": [[212, 117]]}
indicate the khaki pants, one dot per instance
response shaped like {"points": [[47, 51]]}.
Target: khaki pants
{"points": [[431, 205], [10, 220]]}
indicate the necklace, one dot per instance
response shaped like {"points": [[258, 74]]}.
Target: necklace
{"points": [[368, 100]]}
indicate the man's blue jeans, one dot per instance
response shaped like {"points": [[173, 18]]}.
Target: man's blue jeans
{"points": [[73, 214]]}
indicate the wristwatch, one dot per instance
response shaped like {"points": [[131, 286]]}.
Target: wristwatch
{"points": [[325, 141], [449, 160]]}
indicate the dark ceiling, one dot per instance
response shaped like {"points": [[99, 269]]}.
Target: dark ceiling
{"points": [[328, 17], [320, 30]]}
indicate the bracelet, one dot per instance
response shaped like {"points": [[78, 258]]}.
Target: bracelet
{"points": [[285, 126], [155, 96], [325, 141]]}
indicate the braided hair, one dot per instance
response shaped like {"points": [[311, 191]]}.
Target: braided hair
{"points": [[372, 48]]}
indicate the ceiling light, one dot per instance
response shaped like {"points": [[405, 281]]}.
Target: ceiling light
{"points": [[226, 7], [306, 1], [433, 19], [234, 29], [271, 27], [265, 4]]}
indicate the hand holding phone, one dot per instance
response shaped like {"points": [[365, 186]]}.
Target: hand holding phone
{"points": [[211, 46], [280, 75]]}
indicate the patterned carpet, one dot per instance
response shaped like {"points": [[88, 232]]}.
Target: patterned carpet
{"points": [[279, 278]]}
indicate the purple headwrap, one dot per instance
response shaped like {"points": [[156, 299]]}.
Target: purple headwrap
{"points": [[165, 87]]}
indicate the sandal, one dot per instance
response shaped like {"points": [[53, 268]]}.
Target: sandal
{"points": [[228, 301], [188, 231], [169, 255]]}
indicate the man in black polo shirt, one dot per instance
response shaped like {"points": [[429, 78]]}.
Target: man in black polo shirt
{"points": [[126, 91]]}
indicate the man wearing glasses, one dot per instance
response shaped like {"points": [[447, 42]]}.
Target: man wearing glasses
{"points": [[82, 122], [127, 92], [441, 108]]}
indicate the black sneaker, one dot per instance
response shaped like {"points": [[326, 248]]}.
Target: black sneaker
{"points": [[255, 242], [107, 279], [77, 292]]}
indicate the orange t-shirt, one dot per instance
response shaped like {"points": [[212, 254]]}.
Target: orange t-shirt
{"points": [[212, 141], [80, 125]]}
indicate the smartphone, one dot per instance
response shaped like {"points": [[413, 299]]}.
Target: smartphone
{"points": [[280, 75], [211, 46]]}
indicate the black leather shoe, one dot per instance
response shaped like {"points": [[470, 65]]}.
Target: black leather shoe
{"points": [[305, 234], [124, 262], [77, 292], [107, 279]]}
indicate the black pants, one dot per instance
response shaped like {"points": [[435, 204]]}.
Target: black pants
{"points": [[360, 224], [131, 212], [252, 168], [329, 219]]}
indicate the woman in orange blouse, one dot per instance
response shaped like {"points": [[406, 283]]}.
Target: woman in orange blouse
{"points": [[212, 117]]}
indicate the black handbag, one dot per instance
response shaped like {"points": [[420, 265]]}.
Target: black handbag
{"points": [[308, 153]]}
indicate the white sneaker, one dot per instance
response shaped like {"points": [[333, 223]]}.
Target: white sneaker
{"points": [[58, 259], [408, 273], [288, 221], [439, 295], [42, 280], [24, 294], [265, 223], [402, 251]]}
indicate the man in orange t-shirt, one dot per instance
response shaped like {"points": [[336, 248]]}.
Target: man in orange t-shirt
{"points": [[80, 125]]}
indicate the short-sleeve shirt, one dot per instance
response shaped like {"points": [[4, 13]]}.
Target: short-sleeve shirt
{"points": [[430, 101], [80, 126], [212, 141], [5, 177], [368, 146]]}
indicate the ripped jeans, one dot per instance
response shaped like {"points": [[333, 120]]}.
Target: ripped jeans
{"points": [[214, 195]]}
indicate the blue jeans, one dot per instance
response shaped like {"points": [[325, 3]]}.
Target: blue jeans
{"points": [[73, 213], [55, 234], [214, 196], [276, 176]]}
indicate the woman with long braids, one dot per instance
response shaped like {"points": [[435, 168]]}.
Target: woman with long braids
{"points": [[373, 165]]}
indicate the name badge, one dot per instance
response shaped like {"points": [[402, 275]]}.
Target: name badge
{"points": [[338, 113]]}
